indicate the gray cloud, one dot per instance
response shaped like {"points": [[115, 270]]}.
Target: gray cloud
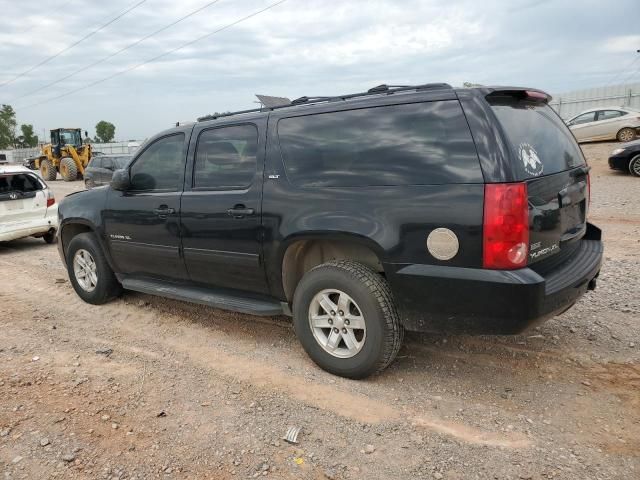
{"points": [[303, 47]]}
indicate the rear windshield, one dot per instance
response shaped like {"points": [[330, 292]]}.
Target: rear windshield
{"points": [[541, 142], [19, 183]]}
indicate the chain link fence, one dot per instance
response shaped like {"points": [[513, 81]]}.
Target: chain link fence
{"points": [[571, 104]]}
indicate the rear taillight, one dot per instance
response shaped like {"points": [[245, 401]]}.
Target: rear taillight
{"points": [[588, 191], [50, 199], [506, 226]]}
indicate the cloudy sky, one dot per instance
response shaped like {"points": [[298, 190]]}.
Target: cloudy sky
{"points": [[299, 47]]}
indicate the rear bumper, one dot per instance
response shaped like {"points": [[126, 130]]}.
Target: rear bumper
{"points": [[468, 300], [22, 229]]}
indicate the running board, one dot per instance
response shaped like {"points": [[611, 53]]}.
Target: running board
{"points": [[218, 298]]}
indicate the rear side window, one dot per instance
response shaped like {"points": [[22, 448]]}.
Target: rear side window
{"points": [[541, 142], [19, 183], [609, 114], [226, 157], [410, 144]]}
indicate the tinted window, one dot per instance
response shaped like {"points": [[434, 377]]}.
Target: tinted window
{"points": [[608, 114], [107, 162], [542, 143], [121, 162], [584, 118], [19, 183], [160, 166], [411, 144], [226, 157]]}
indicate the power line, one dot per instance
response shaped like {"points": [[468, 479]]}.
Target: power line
{"points": [[110, 56], [630, 76], [157, 57], [66, 49], [623, 71]]}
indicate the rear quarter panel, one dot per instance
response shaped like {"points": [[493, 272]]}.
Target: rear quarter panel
{"points": [[393, 221]]}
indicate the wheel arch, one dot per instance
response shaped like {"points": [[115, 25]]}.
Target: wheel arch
{"points": [[301, 253], [72, 227]]}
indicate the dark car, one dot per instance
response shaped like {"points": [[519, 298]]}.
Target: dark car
{"points": [[626, 158], [101, 168], [362, 216]]}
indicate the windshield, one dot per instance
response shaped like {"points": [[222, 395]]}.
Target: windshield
{"points": [[70, 137], [542, 143]]}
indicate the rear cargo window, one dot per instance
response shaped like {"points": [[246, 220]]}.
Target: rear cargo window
{"points": [[541, 142], [19, 183], [410, 144]]}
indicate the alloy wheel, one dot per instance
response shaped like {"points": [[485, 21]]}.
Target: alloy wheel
{"points": [[85, 270], [337, 323]]}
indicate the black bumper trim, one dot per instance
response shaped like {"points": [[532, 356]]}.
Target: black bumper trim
{"points": [[433, 298]]}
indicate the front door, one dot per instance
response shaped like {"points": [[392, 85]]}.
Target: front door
{"points": [[221, 207], [142, 224]]}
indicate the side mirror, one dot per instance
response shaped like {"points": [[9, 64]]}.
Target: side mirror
{"points": [[120, 180]]}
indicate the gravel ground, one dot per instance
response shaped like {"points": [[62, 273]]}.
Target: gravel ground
{"points": [[146, 387]]}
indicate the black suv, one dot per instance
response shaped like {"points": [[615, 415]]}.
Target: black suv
{"points": [[422, 208]]}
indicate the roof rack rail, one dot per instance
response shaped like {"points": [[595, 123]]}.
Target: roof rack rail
{"points": [[378, 90]]}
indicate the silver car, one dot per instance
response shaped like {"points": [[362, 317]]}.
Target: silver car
{"points": [[606, 123]]}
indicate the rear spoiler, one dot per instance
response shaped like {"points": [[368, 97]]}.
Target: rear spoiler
{"points": [[529, 94]]}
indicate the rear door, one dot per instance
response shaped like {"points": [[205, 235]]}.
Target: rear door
{"points": [[22, 200], [607, 123], [546, 156], [221, 206]]}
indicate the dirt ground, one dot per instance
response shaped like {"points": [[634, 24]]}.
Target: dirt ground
{"points": [[145, 387]]}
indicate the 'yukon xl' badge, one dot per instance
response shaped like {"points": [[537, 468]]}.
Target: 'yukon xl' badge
{"points": [[443, 244]]}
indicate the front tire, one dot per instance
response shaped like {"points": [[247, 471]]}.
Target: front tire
{"points": [[634, 166], [346, 320], [626, 135], [89, 272], [47, 170], [68, 169]]}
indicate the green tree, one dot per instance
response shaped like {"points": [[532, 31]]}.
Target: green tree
{"points": [[7, 126], [28, 139], [105, 131]]}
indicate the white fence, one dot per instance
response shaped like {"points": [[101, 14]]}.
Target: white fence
{"points": [[116, 148], [572, 103], [19, 154]]}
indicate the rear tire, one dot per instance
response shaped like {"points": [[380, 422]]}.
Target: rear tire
{"points": [[68, 169], [626, 135], [634, 166], [370, 305], [89, 272], [47, 170]]}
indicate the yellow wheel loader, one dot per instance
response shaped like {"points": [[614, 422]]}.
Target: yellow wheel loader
{"points": [[65, 154]]}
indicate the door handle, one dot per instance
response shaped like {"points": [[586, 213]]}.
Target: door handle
{"points": [[162, 211], [239, 211]]}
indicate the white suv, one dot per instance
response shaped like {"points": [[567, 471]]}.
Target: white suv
{"points": [[27, 206]]}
